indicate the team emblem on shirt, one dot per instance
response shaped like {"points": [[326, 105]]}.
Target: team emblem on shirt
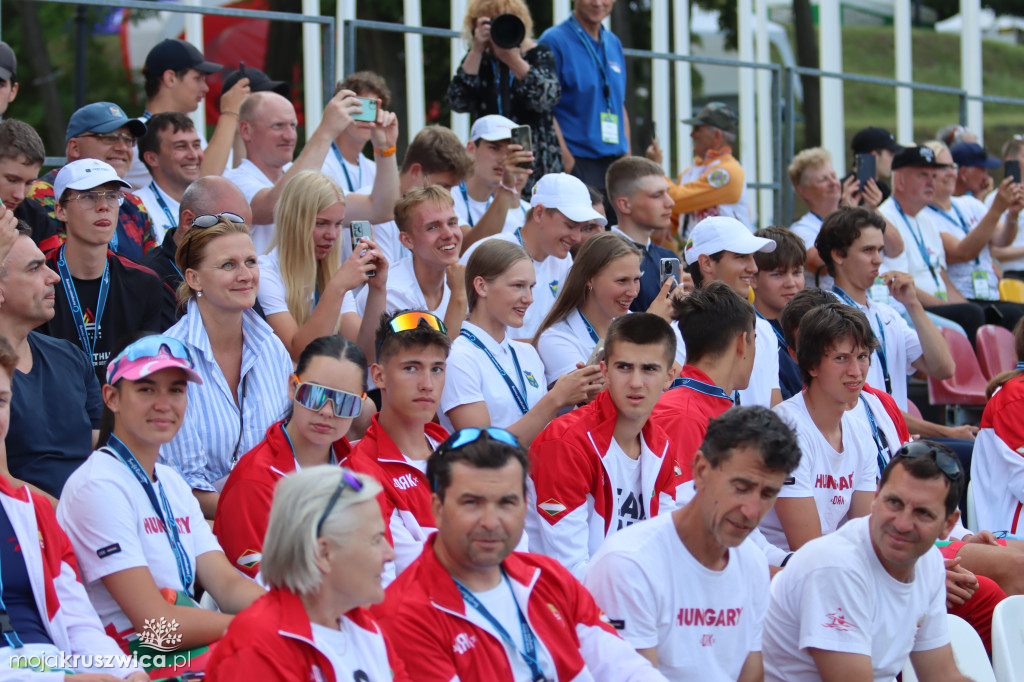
{"points": [[532, 379], [837, 621], [553, 285], [551, 507], [718, 177], [249, 558]]}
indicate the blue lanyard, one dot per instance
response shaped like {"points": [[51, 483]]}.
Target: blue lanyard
{"points": [[284, 430], [879, 437], [469, 211], [845, 297], [160, 200], [778, 334], [1018, 367], [88, 345], [520, 397], [919, 240], [116, 448], [529, 652], [960, 222], [588, 43], [344, 168], [701, 387], [9, 633], [519, 236], [590, 328], [497, 79]]}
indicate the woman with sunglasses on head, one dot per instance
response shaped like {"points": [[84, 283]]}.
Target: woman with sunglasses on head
{"points": [[326, 391], [490, 379], [324, 554], [138, 532], [243, 364], [303, 280]]}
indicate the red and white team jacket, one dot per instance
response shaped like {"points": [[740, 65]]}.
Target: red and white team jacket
{"points": [[405, 502], [68, 615], [244, 507], [997, 467], [273, 640], [571, 502], [424, 610]]}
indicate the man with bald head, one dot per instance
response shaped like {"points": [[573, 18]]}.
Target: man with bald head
{"points": [[268, 127]]}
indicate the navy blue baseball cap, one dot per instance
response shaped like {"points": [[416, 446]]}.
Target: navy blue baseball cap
{"points": [[973, 154], [102, 117], [176, 55]]}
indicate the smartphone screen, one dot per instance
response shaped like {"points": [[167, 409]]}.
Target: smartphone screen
{"points": [[1012, 169], [522, 135]]}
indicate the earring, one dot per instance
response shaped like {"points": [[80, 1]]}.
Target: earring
{"points": [[199, 294]]}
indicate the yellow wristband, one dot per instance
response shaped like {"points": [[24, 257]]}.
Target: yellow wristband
{"points": [[390, 151]]}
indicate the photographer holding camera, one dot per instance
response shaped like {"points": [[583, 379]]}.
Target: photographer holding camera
{"points": [[505, 72]]}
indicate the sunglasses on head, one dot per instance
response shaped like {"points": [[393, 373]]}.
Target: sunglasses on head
{"points": [[208, 220], [947, 463], [314, 396], [464, 437], [347, 479], [149, 347], [413, 320]]}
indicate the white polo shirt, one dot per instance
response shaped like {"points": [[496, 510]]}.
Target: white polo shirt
{"points": [[250, 179], [659, 596], [964, 216], [550, 272], [403, 293], [922, 246], [470, 210], [471, 377], [163, 209], [352, 177]]}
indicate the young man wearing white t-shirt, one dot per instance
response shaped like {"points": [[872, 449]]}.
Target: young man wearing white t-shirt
{"points": [[432, 279], [606, 466], [837, 472], [560, 206], [850, 243], [268, 124], [688, 590], [853, 605], [488, 201], [721, 248], [346, 163], [173, 154]]}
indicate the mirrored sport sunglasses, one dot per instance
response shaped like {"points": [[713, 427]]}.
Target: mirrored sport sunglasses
{"points": [[464, 437], [412, 320], [149, 347], [314, 396], [347, 479], [948, 463]]}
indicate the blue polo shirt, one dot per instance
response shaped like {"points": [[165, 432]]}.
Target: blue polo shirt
{"points": [[583, 101]]}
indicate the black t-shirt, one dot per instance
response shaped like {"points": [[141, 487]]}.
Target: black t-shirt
{"points": [[54, 409], [137, 301]]}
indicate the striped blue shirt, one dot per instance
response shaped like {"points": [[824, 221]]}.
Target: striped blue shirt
{"points": [[203, 447]]}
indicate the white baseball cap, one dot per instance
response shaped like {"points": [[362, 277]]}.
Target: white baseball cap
{"points": [[567, 194], [492, 128], [722, 233], [85, 174]]}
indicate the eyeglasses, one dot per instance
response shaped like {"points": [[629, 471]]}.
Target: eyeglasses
{"points": [[948, 463], [314, 397], [112, 138], [150, 347], [412, 320], [89, 200], [208, 220], [464, 437], [347, 479]]}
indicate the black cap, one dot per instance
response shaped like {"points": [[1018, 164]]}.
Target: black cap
{"points": [[716, 115], [916, 156], [872, 139], [258, 81], [176, 55], [8, 63]]}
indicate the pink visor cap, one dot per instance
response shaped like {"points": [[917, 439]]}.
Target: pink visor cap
{"points": [[149, 355]]}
